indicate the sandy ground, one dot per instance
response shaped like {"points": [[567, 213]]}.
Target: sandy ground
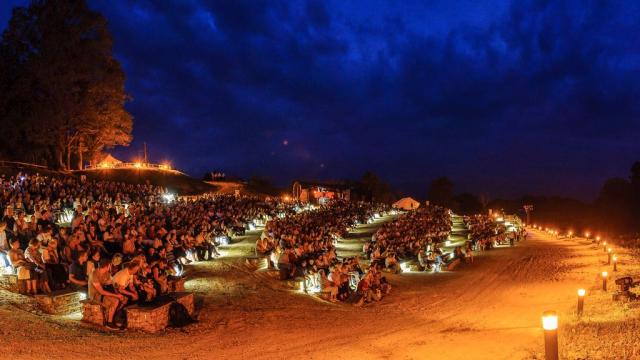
{"points": [[486, 310]]}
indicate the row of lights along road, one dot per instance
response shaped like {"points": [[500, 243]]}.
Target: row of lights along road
{"points": [[550, 318]]}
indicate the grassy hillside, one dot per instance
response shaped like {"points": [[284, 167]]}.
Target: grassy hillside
{"points": [[179, 183], [11, 169]]}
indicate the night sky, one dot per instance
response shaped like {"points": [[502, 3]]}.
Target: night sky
{"points": [[505, 98]]}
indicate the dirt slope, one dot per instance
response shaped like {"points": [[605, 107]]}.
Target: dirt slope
{"points": [[488, 310]]}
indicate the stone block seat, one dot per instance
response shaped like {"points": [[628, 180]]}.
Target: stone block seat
{"points": [[297, 283], [155, 317], [92, 312], [177, 285], [259, 262], [60, 302], [10, 282], [452, 265]]}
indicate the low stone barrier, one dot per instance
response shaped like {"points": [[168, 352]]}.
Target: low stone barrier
{"points": [[10, 282], [452, 265], [257, 262], [63, 302], [177, 286], [156, 318], [92, 312]]}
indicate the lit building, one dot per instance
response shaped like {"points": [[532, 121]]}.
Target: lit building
{"points": [[320, 192]]}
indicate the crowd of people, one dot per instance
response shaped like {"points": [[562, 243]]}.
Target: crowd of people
{"points": [[122, 243], [484, 231], [303, 246], [416, 235], [129, 243]]}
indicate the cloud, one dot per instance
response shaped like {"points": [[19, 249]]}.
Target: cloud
{"points": [[473, 89]]}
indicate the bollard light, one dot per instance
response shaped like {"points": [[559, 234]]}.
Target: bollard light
{"points": [[550, 326], [581, 294], [604, 246], [604, 280], [615, 263]]}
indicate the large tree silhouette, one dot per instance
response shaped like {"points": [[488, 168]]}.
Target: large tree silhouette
{"points": [[441, 192], [63, 90]]}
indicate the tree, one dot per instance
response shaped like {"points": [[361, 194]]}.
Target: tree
{"points": [[635, 189], [64, 90], [262, 185], [615, 205], [467, 204], [441, 192], [378, 190]]}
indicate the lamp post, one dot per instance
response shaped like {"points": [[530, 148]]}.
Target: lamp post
{"points": [[581, 293], [550, 326], [615, 263], [604, 280]]}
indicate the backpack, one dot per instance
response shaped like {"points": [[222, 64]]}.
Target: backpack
{"points": [[179, 316]]}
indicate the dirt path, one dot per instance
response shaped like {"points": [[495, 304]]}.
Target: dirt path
{"points": [[351, 245], [488, 310]]}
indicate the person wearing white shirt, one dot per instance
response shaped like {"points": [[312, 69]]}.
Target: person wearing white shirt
{"points": [[4, 247], [124, 283]]}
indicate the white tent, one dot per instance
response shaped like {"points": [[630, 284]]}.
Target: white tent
{"points": [[406, 204], [108, 161]]}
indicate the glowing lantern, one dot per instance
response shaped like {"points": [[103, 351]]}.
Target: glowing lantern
{"points": [[549, 320]]}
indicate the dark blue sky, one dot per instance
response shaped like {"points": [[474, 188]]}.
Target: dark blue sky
{"points": [[503, 97]]}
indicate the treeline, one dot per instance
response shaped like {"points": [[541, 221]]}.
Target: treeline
{"points": [[615, 211], [62, 90]]}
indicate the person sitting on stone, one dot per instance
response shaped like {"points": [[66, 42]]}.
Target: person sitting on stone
{"points": [[56, 271], [4, 247], [123, 281], [23, 268], [328, 286], [78, 271], [101, 290], [33, 256]]}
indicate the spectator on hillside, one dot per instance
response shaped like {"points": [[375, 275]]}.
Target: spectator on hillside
{"points": [[124, 282], [78, 271], [33, 256], [101, 290], [24, 269], [56, 271]]}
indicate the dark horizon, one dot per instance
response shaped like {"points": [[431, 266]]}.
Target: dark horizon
{"points": [[504, 98]]}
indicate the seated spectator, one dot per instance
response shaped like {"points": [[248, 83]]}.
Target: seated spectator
{"points": [[32, 255], [328, 286], [124, 283], [78, 271], [56, 271], [94, 261], [101, 290], [24, 269], [4, 247]]}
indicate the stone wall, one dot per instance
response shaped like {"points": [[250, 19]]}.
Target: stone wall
{"points": [[92, 312], [154, 319], [10, 282], [62, 302], [177, 285], [187, 300]]}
